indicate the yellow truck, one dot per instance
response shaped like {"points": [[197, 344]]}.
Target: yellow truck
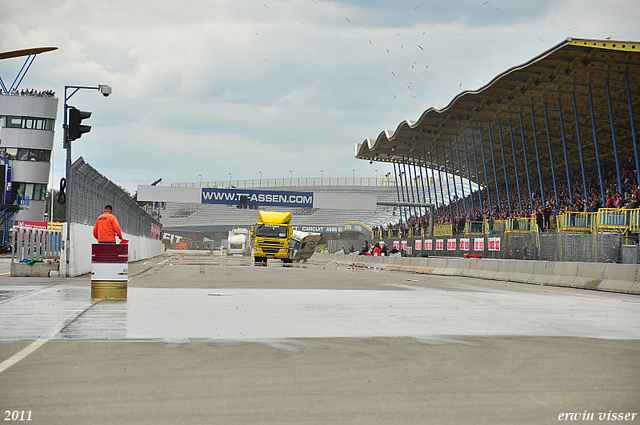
{"points": [[272, 237]]}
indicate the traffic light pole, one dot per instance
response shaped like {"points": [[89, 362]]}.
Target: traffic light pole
{"points": [[106, 91]]}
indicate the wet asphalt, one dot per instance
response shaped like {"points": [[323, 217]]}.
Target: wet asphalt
{"points": [[203, 338]]}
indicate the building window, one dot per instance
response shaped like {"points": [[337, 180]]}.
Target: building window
{"points": [[26, 154], [35, 191], [28, 123], [33, 155]]}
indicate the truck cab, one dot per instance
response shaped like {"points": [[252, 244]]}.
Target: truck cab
{"points": [[272, 237]]}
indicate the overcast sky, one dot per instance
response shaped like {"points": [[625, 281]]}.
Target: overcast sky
{"points": [[213, 87]]}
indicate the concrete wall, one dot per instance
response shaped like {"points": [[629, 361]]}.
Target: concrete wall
{"points": [[80, 254], [610, 277]]}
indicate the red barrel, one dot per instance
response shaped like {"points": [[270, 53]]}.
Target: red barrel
{"points": [[109, 271]]}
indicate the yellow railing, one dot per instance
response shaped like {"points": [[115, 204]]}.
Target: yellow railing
{"points": [[634, 220], [620, 220], [475, 228], [577, 222], [292, 181], [522, 225], [442, 230]]}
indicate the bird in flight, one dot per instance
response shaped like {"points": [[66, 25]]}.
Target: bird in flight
{"points": [[347, 19]]}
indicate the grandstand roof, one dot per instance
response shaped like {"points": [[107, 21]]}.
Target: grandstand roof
{"points": [[544, 86]]}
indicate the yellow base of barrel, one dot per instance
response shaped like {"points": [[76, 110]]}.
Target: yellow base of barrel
{"points": [[112, 290]]}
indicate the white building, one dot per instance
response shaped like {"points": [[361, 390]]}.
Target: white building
{"points": [[27, 122]]}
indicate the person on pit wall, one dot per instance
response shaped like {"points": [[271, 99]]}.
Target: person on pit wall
{"points": [[107, 228]]}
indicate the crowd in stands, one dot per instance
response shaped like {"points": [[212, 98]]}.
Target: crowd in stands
{"points": [[509, 207], [32, 92]]}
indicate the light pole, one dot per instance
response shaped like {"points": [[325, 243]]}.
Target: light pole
{"points": [[200, 179], [106, 91], [229, 180], [260, 174]]}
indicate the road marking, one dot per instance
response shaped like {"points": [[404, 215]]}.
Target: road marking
{"points": [[22, 354]]}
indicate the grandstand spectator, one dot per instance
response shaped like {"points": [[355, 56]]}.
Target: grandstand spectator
{"points": [[377, 250], [365, 248]]}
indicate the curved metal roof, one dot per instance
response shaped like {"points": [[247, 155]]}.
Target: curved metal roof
{"points": [[26, 52], [514, 105]]}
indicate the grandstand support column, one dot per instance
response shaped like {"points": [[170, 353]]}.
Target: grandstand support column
{"points": [[515, 164], [595, 144], [440, 182], [486, 176], [446, 176], [564, 148], [613, 136], [415, 180], [424, 193], [466, 157], [535, 142], [435, 191], [455, 189], [398, 190], [504, 164], [579, 140], [495, 171], [406, 183], [475, 159], [633, 129], [526, 163], [410, 177], [553, 171], [464, 204]]}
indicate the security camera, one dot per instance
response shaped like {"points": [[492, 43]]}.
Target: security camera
{"points": [[105, 90]]}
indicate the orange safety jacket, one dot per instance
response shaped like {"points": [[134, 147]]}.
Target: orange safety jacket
{"points": [[106, 228]]}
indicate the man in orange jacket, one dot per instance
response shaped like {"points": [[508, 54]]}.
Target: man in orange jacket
{"points": [[107, 227]]}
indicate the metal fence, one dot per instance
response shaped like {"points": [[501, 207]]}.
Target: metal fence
{"points": [[91, 191], [546, 246], [35, 244]]}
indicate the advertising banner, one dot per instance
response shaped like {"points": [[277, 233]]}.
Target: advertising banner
{"points": [[428, 244], [478, 244], [439, 244], [494, 244], [464, 244], [274, 198], [451, 244], [418, 244]]}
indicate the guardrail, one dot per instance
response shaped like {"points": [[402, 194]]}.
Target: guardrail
{"points": [[577, 222], [292, 181], [35, 244]]}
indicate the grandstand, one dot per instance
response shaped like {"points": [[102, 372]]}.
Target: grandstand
{"points": [[216, 218]]}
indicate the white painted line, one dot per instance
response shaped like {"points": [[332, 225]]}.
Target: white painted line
{"points": [[22, 354], [40, 342]]}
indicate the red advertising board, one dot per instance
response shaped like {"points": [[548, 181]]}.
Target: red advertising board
{"points": [[478, 244]]}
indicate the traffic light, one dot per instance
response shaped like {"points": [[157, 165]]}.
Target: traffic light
{"points": [[76, 129]]}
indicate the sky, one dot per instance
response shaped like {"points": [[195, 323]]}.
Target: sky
{"points": [[217, 89]]}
